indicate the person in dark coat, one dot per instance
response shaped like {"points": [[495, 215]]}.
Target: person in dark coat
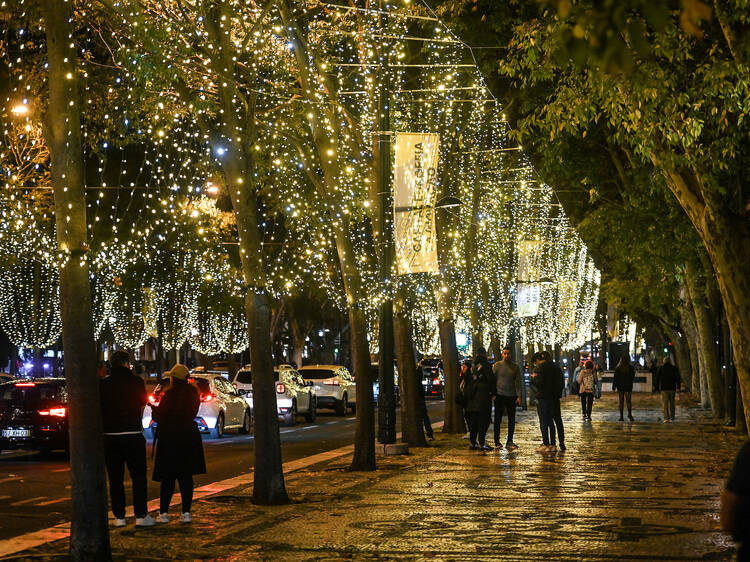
{"points": [[668, 382], [479, 392], [623, 383], [179, 449], [463, 378], [123, 397], [549, 382]]}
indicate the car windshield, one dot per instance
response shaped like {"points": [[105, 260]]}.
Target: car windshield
{"points": [[246, 377], [317, 374], [32, 395]]}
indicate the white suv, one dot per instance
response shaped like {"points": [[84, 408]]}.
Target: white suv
{"points": [[333, 385], [293, 395], [221, 408]]}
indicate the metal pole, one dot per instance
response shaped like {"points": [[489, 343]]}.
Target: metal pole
{"points": [[386, 396]]}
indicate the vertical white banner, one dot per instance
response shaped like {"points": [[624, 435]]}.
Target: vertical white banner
{"points": [[527, 299], [414, 197]]}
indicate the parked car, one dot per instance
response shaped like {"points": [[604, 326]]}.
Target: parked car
{"points": [[433, 381], [376, 383], [34, 414], [293, 394], [333, 385], [222, 407]]}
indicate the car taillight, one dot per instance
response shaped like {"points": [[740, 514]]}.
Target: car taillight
{"points": [[153, 400], [334, 382], [25, 384], [57, 412], [436, 381], [234, 384], [281, 388], [207, 397]]}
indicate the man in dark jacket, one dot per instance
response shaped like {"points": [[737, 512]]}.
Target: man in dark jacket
{"points": [[559, 378], [547, 391], [735, 503], [668, 381], [479, 391], [123, 397]]}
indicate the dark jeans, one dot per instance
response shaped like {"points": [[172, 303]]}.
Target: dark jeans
{"points": [[119, 451], [587, 401], [478, 424], [426, 419], [167, 491], [557, 419], [505, 404], [626, 396], [546, 408]]}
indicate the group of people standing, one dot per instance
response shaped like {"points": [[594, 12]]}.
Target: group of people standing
{"points": [[481, 387], [179, 449]]}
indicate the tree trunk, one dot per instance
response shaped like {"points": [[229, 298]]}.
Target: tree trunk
{"points": [[326, 182], [364, 435], [706, 339], [470, 256], [726, 237], [453, 418], [412, 426], [238, 168], [741, 421], [687, 322], [89, 533], [682, 351]]}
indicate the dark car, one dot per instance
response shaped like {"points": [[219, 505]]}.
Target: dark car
{"points": [[433, 381], [34, 415]]}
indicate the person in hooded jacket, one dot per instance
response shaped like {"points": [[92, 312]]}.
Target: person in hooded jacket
{"points": [[623, 384], [587, 385], [479, 391], [179, 449]]}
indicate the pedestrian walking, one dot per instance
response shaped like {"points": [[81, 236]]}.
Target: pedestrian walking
{"points": [[507, 396], [426, 415], [479, 391], [179, 449], [623, 384], [123, 397], [668, 382], [735, 503], [587, 380]]}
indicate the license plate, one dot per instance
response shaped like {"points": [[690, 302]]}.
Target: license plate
{"points": [[16, 433]]}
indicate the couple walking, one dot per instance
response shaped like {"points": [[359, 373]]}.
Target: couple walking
{"points": [[484, 386]]}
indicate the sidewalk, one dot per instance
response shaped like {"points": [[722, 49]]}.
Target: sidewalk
{"points": [[622, 491]]}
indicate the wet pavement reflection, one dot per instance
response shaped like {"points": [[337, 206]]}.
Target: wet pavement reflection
{"points": [[641, 490]]}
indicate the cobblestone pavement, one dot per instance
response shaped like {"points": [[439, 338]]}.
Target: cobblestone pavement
{"points": [[622, 491]]}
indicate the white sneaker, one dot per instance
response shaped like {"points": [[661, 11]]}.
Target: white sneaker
{"points": [[467, 436], [120, 522], [147, 521], [162, 518], [185, 518]]}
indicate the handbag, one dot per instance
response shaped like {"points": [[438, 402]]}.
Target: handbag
{"points": [[575, 387]]}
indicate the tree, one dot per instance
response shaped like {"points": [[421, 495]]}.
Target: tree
{"points": [[89, 534]]}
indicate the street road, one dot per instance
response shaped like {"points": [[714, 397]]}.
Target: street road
{"points": [[35, 491]]}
